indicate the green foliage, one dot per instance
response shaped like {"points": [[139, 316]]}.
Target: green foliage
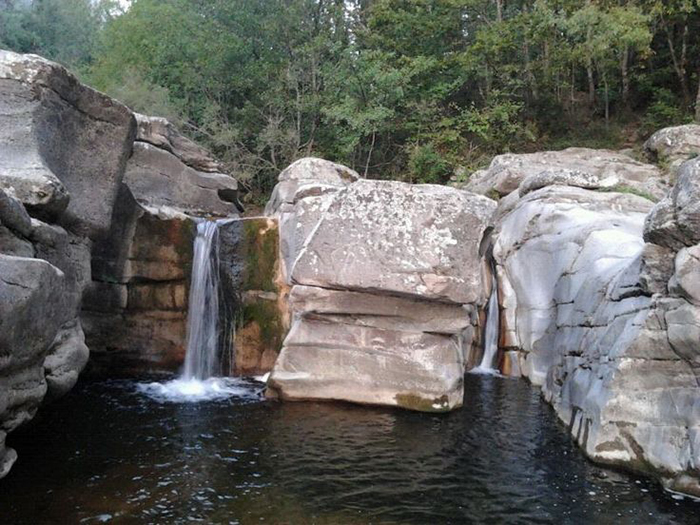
{"points": [[402, 89], [665, 110], [61, 30], [427, 165], [141, 95]]}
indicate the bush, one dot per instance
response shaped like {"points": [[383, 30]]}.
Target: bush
{"points": [[666, 110], [426, 165]]}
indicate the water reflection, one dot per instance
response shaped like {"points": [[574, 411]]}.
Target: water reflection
{"points": [[107, 452]]}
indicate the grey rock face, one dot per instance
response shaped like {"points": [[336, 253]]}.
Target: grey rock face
{"points": [[362, 364], [607, 324], [161, 133], [386, 278], [675, 221], [674, 145], [30, 303], [167, 170], [56, 135], [580, 167], [67, 356], [380, 311], [135, 309]]}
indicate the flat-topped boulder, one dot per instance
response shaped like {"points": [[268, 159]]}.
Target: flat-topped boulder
{"points": [[398, 238], [386, 279], [579, 167]]}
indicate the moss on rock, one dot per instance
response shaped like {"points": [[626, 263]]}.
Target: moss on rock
{"points": [[419, 403]]}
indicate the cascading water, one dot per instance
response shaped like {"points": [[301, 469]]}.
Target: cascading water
{"points": [[490, 331], [201, 379], [202, 358]]}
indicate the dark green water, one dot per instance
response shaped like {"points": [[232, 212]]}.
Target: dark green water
{"points": [[109, 453]]}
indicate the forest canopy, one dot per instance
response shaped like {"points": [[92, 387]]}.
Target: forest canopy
{"points": [[416, 90]]}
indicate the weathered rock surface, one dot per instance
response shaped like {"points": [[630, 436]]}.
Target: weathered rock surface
{"points": [[135, 309], [386, 279], [158, 178], [30, 303], [335, 361], [581, 167], [160, 133], [56, 135], [380, 311], [398, 238], [607, 324], [674, 145], [307, 177]]}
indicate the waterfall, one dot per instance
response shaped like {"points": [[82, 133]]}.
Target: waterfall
{"points": [[491, 331], [200, 381], [202, 357]]}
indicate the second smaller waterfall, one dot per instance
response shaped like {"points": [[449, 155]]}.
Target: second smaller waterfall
{"points": [[491, 331]]}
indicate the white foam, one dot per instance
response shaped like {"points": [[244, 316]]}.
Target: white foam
{"points": [[485, 371], [195, 390]]}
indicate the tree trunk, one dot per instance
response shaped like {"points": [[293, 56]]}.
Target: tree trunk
{"points": [[499, 10], [697, 102], [589, 70], [591, 82], [607, 100], [679, 63], [625, 78], [369, 155], [573, 89], [528, 69]]}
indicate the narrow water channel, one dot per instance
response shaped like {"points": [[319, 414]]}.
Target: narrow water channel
{"points": [[109, 452]]}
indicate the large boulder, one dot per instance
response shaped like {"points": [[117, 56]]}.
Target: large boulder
{"points": [[167, 170], [547, 247], [420, 240], [31, 302], [161, 133], [674, 145], [606, 324], [64, 145], [386, 279], [582, 167]]}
